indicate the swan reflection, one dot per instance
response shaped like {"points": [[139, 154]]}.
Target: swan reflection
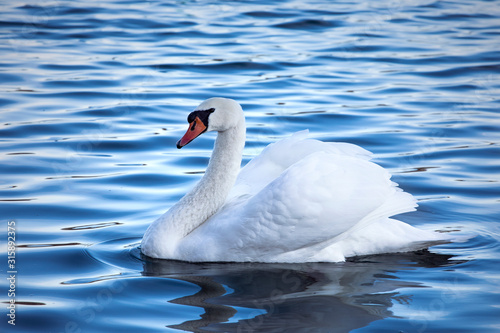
{"points": [[312, 297]]}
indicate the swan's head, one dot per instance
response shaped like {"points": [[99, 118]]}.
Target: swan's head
{"points": [[215, 114]]}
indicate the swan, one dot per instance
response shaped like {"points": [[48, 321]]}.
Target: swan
{"points": [[300, 200]]}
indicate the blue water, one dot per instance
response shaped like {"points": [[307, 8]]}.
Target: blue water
{"points": [[94, 95]]}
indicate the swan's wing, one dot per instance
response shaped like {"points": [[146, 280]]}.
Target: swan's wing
{"points": [[319, 198], [278, 156]]}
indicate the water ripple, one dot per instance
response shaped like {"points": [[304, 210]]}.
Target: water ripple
{"points": [[94, 96]]}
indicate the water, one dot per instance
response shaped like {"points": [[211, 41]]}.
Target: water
{"points": [[95, 94]]}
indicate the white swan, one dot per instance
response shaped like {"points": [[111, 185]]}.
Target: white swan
{"points": [[300, 200]]}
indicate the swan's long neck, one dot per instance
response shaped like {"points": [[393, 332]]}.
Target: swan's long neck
{"points": [[205, 198], [212, 190]]}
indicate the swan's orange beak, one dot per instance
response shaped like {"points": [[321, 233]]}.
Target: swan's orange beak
{"points": [[196, 127]]}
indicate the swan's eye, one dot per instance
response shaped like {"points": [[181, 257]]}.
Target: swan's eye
{"points": [[201, 114]]}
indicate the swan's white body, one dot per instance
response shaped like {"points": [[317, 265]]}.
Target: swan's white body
{"points": [[300, 200]]}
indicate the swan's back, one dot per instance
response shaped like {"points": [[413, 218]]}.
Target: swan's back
{"points": [[278, 156]]}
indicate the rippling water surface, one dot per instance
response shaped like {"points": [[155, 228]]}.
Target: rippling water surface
{"points": [[94, 95]]}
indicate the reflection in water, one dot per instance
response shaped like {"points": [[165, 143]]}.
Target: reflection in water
{"points": [[312, 297]]}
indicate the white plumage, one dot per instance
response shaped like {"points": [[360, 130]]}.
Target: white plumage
{"points": [[300, 200]]}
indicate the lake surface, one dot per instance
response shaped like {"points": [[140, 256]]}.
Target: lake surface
{"points": [[94, 95]]}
